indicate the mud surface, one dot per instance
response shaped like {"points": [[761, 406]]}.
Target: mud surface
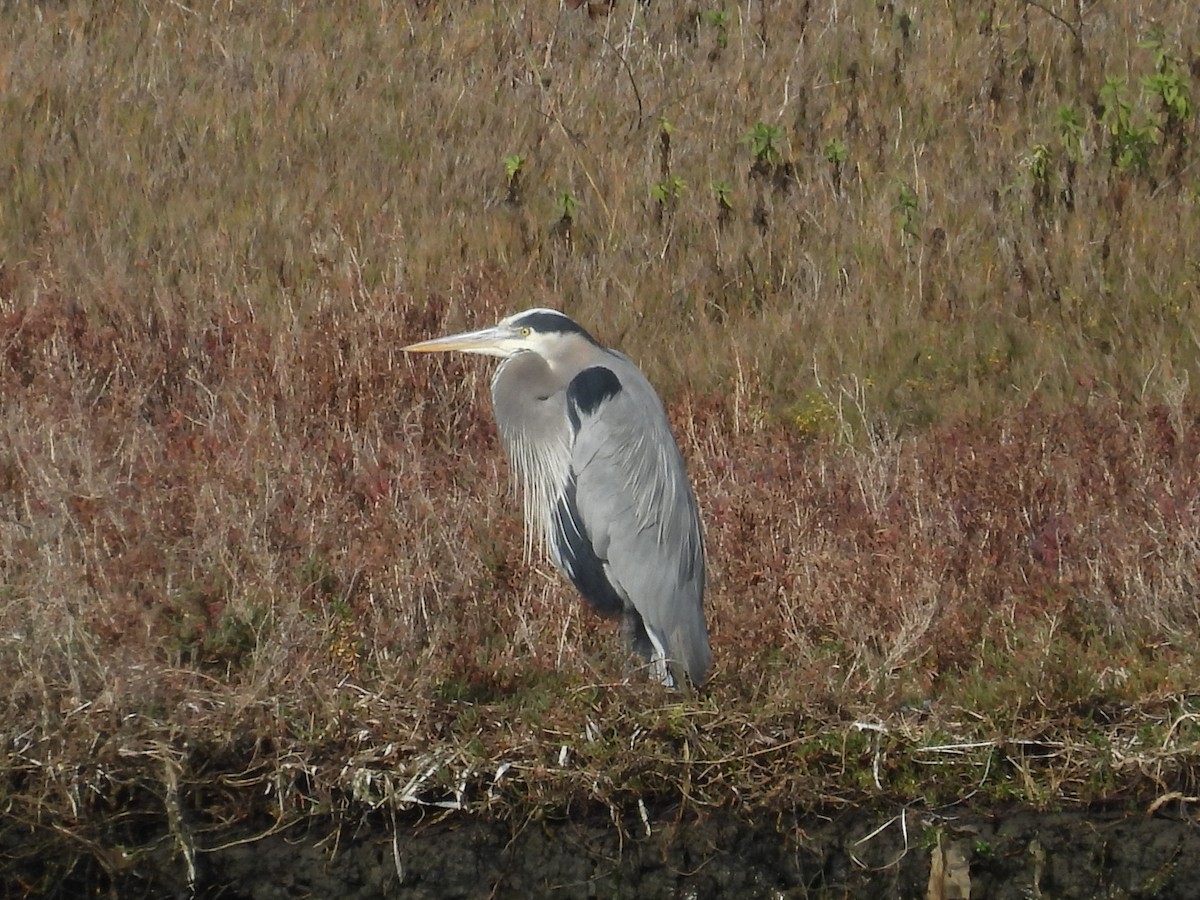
{"points": [[1015, 855]]}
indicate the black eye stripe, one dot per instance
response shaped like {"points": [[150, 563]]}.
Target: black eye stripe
{"points": [[549, 322]]}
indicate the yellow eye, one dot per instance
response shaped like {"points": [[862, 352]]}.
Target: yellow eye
{"points": [[526, 332]]}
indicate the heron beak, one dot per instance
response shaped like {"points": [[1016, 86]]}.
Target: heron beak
{"points": [[493, 341]]}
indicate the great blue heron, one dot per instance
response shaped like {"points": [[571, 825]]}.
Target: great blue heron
{"points": [[604, 485]]}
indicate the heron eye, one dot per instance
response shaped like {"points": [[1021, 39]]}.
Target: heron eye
{"points": [[526, 332]]}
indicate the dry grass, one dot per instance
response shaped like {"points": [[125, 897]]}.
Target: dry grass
{"points": [[255, 565]]}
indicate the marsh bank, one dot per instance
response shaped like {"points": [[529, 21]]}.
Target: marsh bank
{"points": [[1018, 853]]}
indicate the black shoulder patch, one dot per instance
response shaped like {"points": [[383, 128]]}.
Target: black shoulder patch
{"points": [[588, 390], [578, 558], [549, 321]]}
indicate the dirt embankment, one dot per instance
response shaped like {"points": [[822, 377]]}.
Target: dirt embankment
{"points": [[1019, 854]]}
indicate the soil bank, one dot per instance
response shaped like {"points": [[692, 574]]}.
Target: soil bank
{"points": [[1013, 854]]}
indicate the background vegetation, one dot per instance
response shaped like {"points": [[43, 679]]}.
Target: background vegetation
{"points": [[918, 284]]}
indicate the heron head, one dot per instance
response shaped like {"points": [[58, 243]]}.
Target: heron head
{"points": [[537, 330]]}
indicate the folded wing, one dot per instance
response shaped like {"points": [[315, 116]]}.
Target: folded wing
{"points": [[627, 531]]}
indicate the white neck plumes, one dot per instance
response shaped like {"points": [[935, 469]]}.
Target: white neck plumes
{"points": [[538, 445]]}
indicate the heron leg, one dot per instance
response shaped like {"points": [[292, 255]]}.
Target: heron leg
{"points": [[633, 630]]}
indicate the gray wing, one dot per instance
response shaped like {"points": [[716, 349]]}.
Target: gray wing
{"points": [[629, 532]]}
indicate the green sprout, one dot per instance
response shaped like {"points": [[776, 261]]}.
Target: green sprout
{"points": [[1130, 143], [666, 194], [567, 205], [909, 210], [764, 141], [835, 152], [514, 167], [836, 155], [1070, 132], [719, 20], [1038, 161], [668, 191], [722, 191], [1168, 83]]}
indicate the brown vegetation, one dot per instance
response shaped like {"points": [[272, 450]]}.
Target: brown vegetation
{"points": [[927, 343]]}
